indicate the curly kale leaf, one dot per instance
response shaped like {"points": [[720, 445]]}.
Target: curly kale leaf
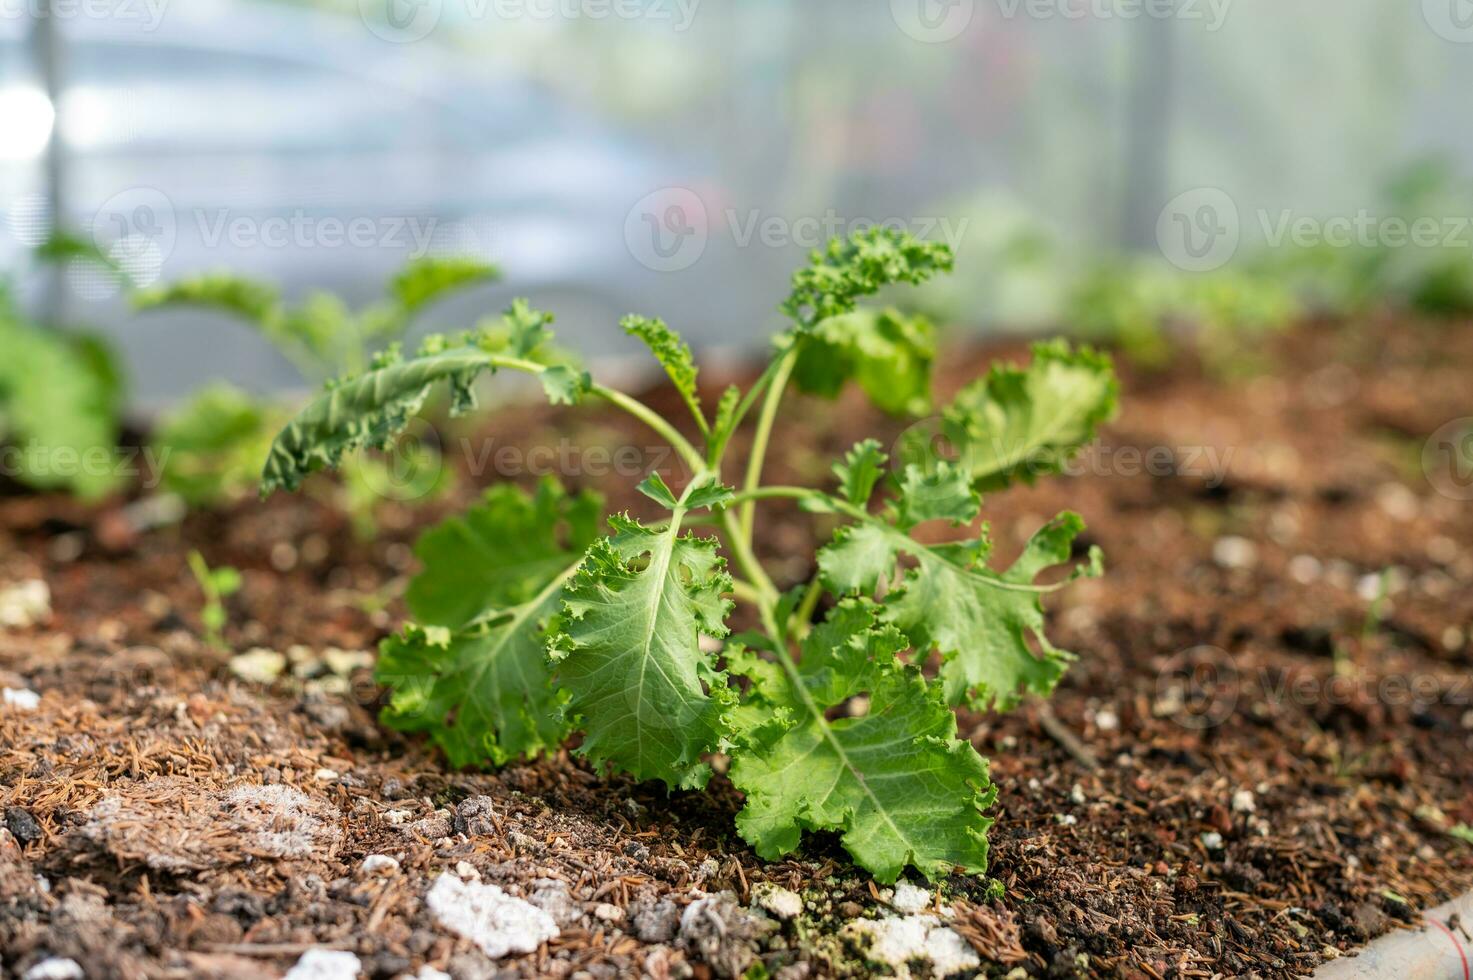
{"points": [[985, 623], [644, 693], [835, 278], [892, 778], [482, 692], [369, 410], [427, 279], [888, 354], [1020, 423], [674, 356], [500, 552]]}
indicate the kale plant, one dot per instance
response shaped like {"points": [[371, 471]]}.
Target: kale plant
{"points": [[535, 624]]}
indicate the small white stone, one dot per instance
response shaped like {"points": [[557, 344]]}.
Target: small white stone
{"points": [[604, 912], [496, 922], [1234, 552], [1065, 819], [25, 604], [21, 699], [1212, 840], [467, 871], [379, 864], [344, 662], [325, 964], [326, 775], [54, 968], [1305, 569], [897, 941], [1107, 720], [258, 665], [1397, 501], [397, 817], [1243, 802], [780, 901], [428, 972], [908, 898], [1076, 795]]}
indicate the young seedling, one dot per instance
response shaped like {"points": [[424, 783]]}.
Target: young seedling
{"points": [[217, 584], [534, 624]]}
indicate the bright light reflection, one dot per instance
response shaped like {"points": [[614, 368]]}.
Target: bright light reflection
{"points": [[26, 118]]}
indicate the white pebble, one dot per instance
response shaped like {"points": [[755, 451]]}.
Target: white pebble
{"points": [[1066, 819], [25, 604], [1212, 840], [21, 699], [496, 922], [1076, 795], [1107, 720], [54, 968], [1234, 552], [379, 864], [780, 901], [1243, 802], [1305, 569], [604, 912], [258, 665], [325, 964], [909, 898]]}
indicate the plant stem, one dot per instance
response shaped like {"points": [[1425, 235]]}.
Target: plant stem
{"points": [[758, 454], [633, 406]]}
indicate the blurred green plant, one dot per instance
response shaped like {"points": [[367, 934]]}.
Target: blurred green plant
{"points": [[1226, 313], [60, 399], [219, 439], [217, 584]]}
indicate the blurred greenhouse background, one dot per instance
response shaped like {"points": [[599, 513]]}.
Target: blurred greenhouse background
{"points": [[678, 157]]}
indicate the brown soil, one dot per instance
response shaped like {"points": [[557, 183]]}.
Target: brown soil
{"points": [[1202, 797]]}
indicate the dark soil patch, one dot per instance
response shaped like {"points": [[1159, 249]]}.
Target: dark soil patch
{"points": [[1205, 796]]}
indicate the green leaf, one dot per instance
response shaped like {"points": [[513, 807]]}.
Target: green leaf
{"points": [[213, 446], [646, 696], [896, 782], [943, 493], [655, 488], [838, 276], [860, 558], [889, 355], [564, 385], [985, 624], [500, 553], [674, 356], [427, 279], [368, 411], [860, 471], [526, 329], [482, 692], [253, 301], [57, 408], [1019, 423]]}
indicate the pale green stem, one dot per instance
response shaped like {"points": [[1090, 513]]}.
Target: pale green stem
{"points": [[760, 438]]}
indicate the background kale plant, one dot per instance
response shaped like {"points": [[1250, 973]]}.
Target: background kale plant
{"points": [[533, 623]]}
